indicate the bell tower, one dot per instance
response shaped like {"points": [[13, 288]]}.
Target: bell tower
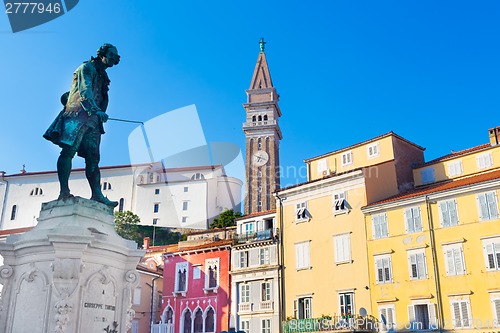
{"points": [[263, 137]]}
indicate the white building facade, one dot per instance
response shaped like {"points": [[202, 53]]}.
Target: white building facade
{"points": [[187, 197], [254, 274]]}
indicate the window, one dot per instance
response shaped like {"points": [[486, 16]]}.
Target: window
{"points": [[122, 203], [417, 265], [383, 269], [184, 219], [340, 203], [245, 293], [210, 321], [302, 255], [301, 211], [264, 256], [487, 205], [13, 213], [245, 326], [460, 313], [373, 150], [448, 213], [36, 191], [157, 191], [484, 161], [495, 302], [302, 308], [186, 189], [422, 317], [211, 273], [169, 315], [196, 273], [380, 229], [155, 221], [454, 259], [413, 220], [185, 205], [106, 186], [455, 168], [491, 248], [346, 304], [197, 176], [135, 326], [322, 166], [137, 296], [347, 158], [186, 322], [427, 175], [265, 291], [342, 248], [156, 208], [198, 321], [387, 315], [181, 281], [266, 325], [248, 229], [243, 259]]}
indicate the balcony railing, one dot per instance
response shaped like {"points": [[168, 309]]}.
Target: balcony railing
{"points": [[266, 305], [254, 236], [162, 328], [245, 307], [332, 323]]}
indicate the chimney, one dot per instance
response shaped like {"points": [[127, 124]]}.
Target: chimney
{"points": [[146, 243], [494, 134]]}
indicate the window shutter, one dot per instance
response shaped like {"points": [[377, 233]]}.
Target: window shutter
{"points": [[492, 204], [483, 207], [307, 255], [490, 259], [445, 218], [383, 228], [496, 306], [295, 309], [376, 226], [497, 254], [390, 318], [408, 221], [465, 306], [452, 208], [411, 315], [459, 266], [347, 247], [336, 240], [383, 315], [413, 266], [449, 262], [455, 314], [421, 265], [417, 219], [378, 270], [432, 316], [298, 256]]}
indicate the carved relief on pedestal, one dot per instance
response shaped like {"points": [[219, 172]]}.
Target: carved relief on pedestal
{"points": [[66, 276], [63, 312]]}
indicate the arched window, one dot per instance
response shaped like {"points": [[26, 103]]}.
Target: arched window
{"points": [[210, 321], [169, 316], [182, 280], [260, 118], [36, 191], [265, 117], [120, 207], [254, 118], [198, 321], [13, 213], [198, 176], [212, 277], [187, 322]]}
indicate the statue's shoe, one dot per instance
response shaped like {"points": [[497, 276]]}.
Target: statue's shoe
{"points": [[104, 200], [65, 196]]}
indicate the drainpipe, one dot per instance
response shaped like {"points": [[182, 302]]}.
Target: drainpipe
{"points": [[437, 280], [152, 301], [281, 267]]}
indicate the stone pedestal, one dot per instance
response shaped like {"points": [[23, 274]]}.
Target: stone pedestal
{"points": [[70, 274]]}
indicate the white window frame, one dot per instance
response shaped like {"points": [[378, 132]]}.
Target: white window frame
{"points": [[488, 210], [373, 150], [245, 293], [455, 168], [454, 259], [417, 259], [462, 304], [264, 257], [301, 213], [266, 294], [180, 266], [448, 213], [342, 248], [340, 205], [322, 165], [196, 273], [484, 161], [346, 158], [185, 205], [347, 310], [383, 266], [495, 307], [413, 219], [212, 262], [302, 255], [245, 326], [184, 219], [491, 247], [380, 227], [243, 259], [427, 175], [431, 314], [302, 309], [389, 313], [266, 325]]}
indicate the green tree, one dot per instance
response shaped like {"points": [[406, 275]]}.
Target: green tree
{"points": [[225, 219], [127, 226]]}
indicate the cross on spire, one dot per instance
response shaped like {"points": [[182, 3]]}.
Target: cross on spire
{"points": [[262, 44]]}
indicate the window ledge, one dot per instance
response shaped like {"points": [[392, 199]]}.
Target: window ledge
{"points": [[298, 221], [340, 212], [344, 262], [304, 268], [177, 293], [207, 290]]}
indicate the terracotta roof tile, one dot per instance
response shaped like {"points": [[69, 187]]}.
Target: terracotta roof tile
{"points": [[15, 231], [442, 186], [220, 243], [257, 214], [456, 154]]}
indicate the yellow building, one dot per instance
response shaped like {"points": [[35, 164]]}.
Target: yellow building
{"points": [[434, 252], [324, 238]]}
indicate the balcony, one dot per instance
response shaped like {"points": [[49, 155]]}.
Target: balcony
{"points": [[355, 323], [252, 237], [266, 306], [244, 307]]}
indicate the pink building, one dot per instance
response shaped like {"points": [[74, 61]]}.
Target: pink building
{"points": [[196, 286]]}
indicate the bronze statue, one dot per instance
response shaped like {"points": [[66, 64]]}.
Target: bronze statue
{"points": [[79, 126]]}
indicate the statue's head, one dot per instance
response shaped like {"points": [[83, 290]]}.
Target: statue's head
{"points": [[108, 54]]}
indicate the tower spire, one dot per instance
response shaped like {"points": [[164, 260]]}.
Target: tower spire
{"points": [[262, 45]]}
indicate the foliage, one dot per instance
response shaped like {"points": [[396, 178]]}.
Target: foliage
{"points": [[225, 219], [127, 225], [162, 235]]}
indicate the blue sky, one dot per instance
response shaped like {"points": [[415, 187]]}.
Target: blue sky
{"points": [[346, 71]]}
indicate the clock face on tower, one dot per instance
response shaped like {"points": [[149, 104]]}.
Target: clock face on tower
{"points": [[260, 158]]}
